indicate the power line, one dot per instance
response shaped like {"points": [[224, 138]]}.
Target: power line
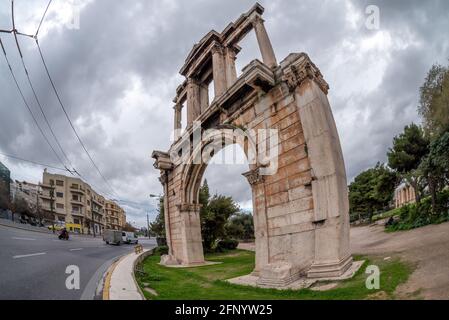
{"points": [[56, 91], [43, 17], [27, 105], [33, 162], [68, 117], [39, 103]]}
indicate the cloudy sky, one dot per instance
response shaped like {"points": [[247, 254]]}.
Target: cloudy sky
{"points": [[117, 74]]}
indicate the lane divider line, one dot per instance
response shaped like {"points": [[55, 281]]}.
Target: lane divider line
{"points": [[25, 239], [29, 255], [76, 249]]}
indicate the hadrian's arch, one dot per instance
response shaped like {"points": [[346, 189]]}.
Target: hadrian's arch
{"points": [[280, 115]]}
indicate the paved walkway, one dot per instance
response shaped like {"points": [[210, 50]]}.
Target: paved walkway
{"points": [[427, 248], [120, 283]]}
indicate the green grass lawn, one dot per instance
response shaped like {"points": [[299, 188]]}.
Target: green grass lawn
{"points": [[203, 283]]}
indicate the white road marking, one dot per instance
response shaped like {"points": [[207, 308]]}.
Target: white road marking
{"points": [[26, 239], [29, 255], [76, 249]]}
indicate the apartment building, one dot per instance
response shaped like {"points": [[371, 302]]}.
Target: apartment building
{"points": [[115, 216], [5, 183], [75, 204], [25, 190]]}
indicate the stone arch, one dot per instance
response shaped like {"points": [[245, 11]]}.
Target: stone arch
{"points": [[192, 172], [300, 198]]}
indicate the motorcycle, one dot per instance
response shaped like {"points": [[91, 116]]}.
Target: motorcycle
{"points": [[64, 235]]}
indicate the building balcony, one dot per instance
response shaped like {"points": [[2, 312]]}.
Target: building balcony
{"points": [[47, 186], [46, 197], [77, 213], [77, 202], [97, 202], [77, 190]]}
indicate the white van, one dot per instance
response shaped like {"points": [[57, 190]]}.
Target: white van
{"points": [[129, 237]]}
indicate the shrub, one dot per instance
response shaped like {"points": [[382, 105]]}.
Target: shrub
{"points": [[160, 251], [161, 241], [227, 244]]}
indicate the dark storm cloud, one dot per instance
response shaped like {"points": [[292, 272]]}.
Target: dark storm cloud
{"points": [[117, 75]]}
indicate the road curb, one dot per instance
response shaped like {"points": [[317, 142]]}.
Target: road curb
{"points": [[107, 279], [123, 272]]}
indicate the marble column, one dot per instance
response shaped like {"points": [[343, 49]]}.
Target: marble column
{"points": [[178, 119], [260, 219], [204, 97], [231, 72], [266, 49], [193, 101], [219, 72]]}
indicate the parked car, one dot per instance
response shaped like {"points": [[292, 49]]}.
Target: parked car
{"points": [[113, 237], [129, 237], [56, 226]]}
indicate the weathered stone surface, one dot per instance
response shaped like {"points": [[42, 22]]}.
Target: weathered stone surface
{"points": [[300, 197]]}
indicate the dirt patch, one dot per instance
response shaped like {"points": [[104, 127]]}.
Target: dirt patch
{"points": [[425, 248]]}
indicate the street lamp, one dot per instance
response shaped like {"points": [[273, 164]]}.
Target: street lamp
{"points": [[154, 196]]}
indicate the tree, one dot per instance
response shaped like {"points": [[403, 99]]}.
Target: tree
{"points": [[435, 168], [240, 226], [409, 148], [214, 215], [434, 100], [4, 196], [157, 227], [129, 227], [372, 190]]}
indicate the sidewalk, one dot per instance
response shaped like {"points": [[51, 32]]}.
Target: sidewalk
{"points": [[119, 283], [27, 227]]}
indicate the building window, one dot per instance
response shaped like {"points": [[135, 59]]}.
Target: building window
{"points": [[52, 182], [59, 194], [59, 206], [75, 197], [76, 221], [60, 183], [61, 218], [75, 209]]}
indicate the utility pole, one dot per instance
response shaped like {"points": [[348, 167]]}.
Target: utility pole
{"points": [[92, 211], [52, 194], [148, 227], [38, 211]]}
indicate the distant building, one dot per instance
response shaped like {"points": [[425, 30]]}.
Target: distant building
{"points": [[115, 216], [73, 202], [5, 181], [403, 195], [25, 190]]}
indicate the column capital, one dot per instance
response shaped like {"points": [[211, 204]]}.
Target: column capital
{"points": [[217, 48], [192, 81], [177, 107], [254, 177], [163, 179], [257, 19]]}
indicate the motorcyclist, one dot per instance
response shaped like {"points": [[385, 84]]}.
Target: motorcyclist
{"points": [[64, 234]]}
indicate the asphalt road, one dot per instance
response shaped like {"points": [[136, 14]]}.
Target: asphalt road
{"points": [[33, 265]]}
